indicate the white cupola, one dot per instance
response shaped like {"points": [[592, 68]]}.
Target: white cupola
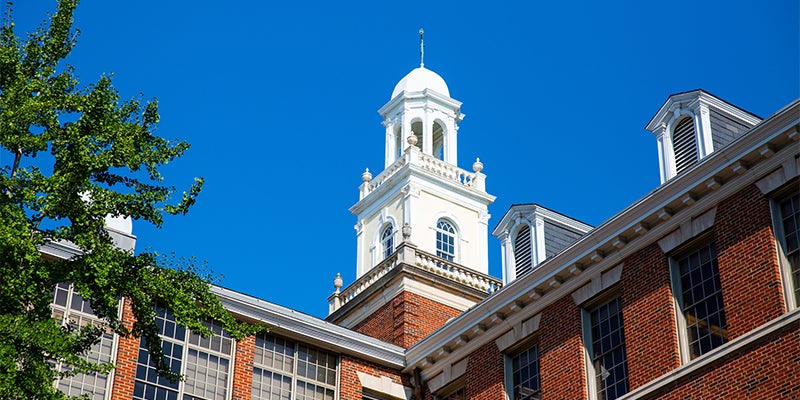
{"points": [[422, 192], [421, 103], [691, 125]]}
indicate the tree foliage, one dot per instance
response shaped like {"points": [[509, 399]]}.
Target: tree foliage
{"points": [[71, 156]]}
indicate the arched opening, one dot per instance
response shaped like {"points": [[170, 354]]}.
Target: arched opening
{"points": [[438, 140], [399, 142], [523, 250], [416, 127], [684, 144], [445, 240], [387, 241]]}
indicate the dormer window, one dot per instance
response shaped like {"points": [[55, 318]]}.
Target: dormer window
{"points": [[691, 126], [684, 144], [523, 250]]}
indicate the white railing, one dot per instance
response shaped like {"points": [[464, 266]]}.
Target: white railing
{"points": [[412, 156], [458, 273], [414, 258]]}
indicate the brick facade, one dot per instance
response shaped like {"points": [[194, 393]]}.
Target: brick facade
{"points": [[648, 315], [127, 355], [748, 261], [562, 365], [406, 319], [243, 368], [350, 384]]}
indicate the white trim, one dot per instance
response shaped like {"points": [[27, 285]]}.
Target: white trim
{"points": [[670, 378], [450, 373], [598, 283], [688, 229], [383, 385]]}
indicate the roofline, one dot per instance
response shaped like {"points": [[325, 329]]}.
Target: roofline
{"points": [[715, 101], [312, 330]]}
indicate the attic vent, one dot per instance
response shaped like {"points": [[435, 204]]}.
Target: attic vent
{"points": [[684, 144], [522, 250]]}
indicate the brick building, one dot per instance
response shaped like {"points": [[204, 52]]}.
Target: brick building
{"points": [[693, 291]]}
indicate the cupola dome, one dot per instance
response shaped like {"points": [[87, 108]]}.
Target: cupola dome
{"points": [[420, 79]]}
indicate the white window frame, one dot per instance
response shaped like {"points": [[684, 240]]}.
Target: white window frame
{"points": [[780, 241], [586, 328], [71, 315], [677, 295], [294, 376], [385, 251], [508, 364], [186, 345], [454, 235]]}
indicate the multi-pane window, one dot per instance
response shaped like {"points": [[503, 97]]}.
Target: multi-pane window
{"points": [[701, 300], [458, 394], [387, 241], [608, 351], [286, 370], [525, 374], [445, 240], [71, 309], [205, 363], [523, 250], [789, 209]]}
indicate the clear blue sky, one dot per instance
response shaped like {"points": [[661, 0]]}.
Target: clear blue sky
{"points": [[279, 101]]}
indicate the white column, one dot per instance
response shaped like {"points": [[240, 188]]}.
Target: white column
{"points": [[427, 132], [538, 241], [509, 269], [451, 142], [360, 256], [391, 151], [705, 142]]}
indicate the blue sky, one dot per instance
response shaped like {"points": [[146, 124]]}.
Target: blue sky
{"points": [[279, 101]]}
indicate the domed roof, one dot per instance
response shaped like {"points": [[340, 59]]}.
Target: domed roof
{"points": [[420, 79]]}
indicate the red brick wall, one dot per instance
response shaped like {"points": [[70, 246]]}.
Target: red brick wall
{"points": [[243, 368], [484, 376], [562, 368], [406, 319], [350, 385], [127, 354], [748, 261], [648, 315], [767, 370]]}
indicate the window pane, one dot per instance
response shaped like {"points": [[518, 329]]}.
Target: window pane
{"points": [[525, 374], [608, 350], [702, 300]]}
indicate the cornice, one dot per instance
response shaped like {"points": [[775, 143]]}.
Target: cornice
{"points": [[312, 330], [741, 163]]}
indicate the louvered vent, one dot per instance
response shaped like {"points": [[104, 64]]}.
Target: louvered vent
{"points": [[522, 250], [684, 144]]}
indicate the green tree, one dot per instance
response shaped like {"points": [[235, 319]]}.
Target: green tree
{"points": [[71, 155]]}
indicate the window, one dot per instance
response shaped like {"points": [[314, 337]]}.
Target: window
{"points": [[607, 351], [699, 293], [525, 381], [788, 232], [445, 240], [387, 241], [204, 362], [286, 370], [458, 394], [71, 309], [522, 250], [684, 144]]}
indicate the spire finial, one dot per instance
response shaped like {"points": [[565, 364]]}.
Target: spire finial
{"points": [[421, 47]]}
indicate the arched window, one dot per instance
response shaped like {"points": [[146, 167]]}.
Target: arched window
{"points": [[445, 240], [684, 144], [387, 241], [522, 250]]}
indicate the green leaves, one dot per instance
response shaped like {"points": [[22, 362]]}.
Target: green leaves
{"points": [[70, 156]]}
